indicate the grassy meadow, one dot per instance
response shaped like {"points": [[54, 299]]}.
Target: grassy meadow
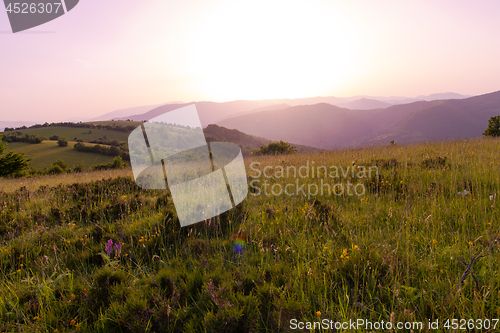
{"points": [[91, 252], [70, 133], [43, 154]]}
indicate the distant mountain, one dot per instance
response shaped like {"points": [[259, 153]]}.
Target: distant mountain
{"points": [[123, 113], [364, 104], [428, 98], [209, 112], [438, 96], [213, 112], [327, 126], [263, 108], [322, 125], [444, 119]]}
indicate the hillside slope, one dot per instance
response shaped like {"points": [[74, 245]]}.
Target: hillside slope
{"points": [[327, 126], [44, 154]]}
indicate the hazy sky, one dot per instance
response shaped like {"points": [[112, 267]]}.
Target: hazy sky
{"points": [[112, 54]]}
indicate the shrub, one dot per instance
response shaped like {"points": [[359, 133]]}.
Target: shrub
{"points": [[275, 148], [79, 168], [62, 142], [60, 163], [116, 164], [54, 137], [55, 170]]}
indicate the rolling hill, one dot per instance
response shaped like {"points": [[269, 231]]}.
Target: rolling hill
{"points": [[42, 155], [214, 133], [445, 119], [326, 126], [322, 125]]}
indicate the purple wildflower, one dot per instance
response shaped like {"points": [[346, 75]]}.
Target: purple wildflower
{"points": [[109, 247], [118, 249]]}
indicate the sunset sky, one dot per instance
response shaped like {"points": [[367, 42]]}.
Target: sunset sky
{"points": [[112, 54]]}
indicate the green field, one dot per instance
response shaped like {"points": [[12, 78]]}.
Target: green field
{"points": [[393, 253], [70, 133], [43, 154]]}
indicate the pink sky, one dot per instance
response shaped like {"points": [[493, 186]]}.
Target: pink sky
{"points": [[107, 55]]}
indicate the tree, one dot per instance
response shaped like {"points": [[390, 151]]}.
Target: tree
{"points": [[117, 163], [62, 142], [59, 166], [79, 168], [12, 163], [493, 127], [114, 151], [61, 163], [275, 148]]}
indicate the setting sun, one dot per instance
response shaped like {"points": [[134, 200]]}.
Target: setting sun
{"points": [[279, 49]]}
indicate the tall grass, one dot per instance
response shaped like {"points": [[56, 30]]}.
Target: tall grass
{"points": [[393, 254]]}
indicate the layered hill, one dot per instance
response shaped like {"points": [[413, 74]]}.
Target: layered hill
{"points": [[108, 134], [327, 126]]}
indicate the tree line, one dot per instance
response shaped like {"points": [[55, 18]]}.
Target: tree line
{"points": [[113, 127], [121, 151]]}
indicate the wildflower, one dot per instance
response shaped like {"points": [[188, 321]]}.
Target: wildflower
{"points": [[118, 249], [240, 241], [318, 313], [36, 318], [124, 197], [72, 322], [21, 256], [109, 247], [470, 243], [491, 197], [434, 241], [78, 325], [356, 247]]}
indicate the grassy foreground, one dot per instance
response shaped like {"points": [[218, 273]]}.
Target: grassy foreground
{"points": [[392, 254]]}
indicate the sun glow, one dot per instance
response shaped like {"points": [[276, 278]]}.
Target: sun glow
{"points": [[278, 49]]}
